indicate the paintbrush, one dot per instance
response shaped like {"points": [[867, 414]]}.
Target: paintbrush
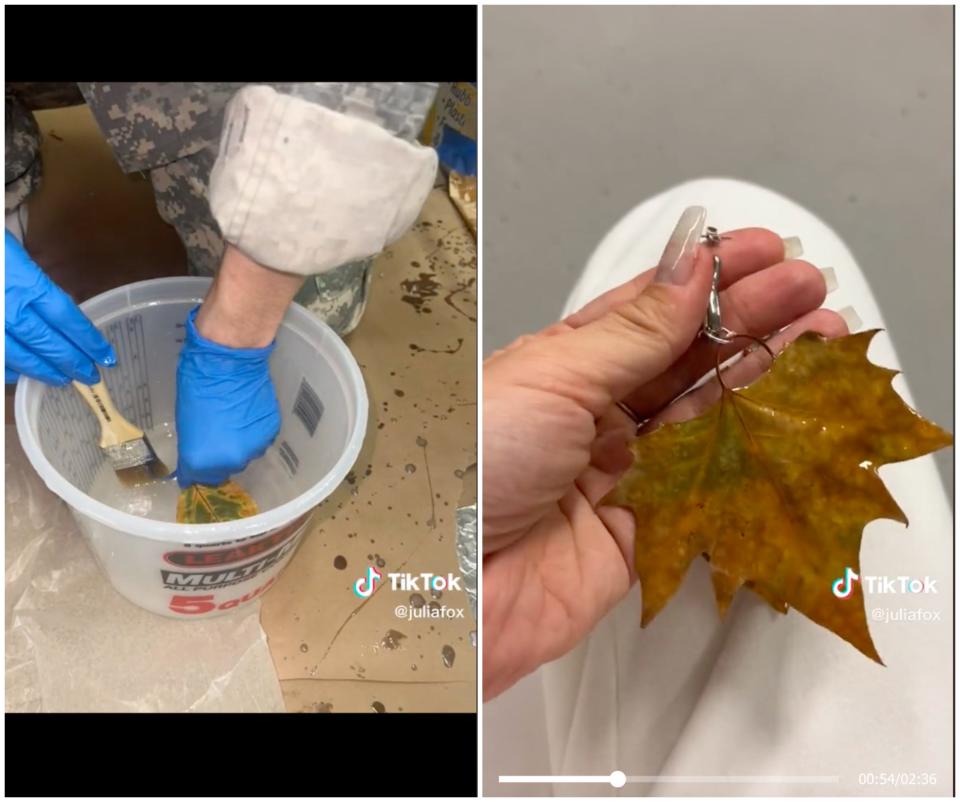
{"points": [[126, 446]]}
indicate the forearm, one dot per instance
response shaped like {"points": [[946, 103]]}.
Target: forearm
{"points": [[246, 302]]}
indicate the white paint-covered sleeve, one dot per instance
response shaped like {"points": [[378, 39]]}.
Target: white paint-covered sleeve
{"points": [[300, 188]]}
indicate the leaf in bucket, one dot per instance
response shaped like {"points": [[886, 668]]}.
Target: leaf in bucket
{"points": [[203, 504], [774, 484]]}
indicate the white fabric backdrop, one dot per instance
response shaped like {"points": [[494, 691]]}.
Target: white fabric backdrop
{"points": [[759, 693]]}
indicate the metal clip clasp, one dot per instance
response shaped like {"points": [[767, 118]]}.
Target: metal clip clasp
{"points": [[713, 328]]}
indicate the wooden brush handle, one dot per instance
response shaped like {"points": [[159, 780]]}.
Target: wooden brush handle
{"points": [[114, 428]]}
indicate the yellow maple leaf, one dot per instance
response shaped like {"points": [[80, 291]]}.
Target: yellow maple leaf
{"points": [[775, 482], [204, 504]]}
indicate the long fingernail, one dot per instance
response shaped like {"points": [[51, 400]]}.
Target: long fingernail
{"points": [[829, 278], [851, 318], [676, 264], [792, 248]]}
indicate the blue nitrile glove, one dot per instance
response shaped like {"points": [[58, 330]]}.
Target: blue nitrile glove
{"points": [[227, 410], [47, 336]]}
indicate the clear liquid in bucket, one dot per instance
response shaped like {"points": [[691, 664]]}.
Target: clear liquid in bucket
{"points": [[263, 480]]}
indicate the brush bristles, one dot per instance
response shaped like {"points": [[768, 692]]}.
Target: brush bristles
{"points": [[135, 463]]}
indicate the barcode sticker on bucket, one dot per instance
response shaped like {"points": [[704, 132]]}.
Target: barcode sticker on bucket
{"points": [[308, 407]]}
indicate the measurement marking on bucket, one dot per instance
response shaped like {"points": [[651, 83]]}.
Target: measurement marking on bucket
{"points": [[289, 457], [308, 407], [130, 386], [70, 434]]}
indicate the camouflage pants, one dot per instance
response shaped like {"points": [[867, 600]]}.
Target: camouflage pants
{"points": [[338, 297]]}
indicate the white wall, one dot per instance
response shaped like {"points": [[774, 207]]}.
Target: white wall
{"points": [[847, 110]]}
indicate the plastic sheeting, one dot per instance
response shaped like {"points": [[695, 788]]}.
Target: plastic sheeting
{"points": [[73, 644]]}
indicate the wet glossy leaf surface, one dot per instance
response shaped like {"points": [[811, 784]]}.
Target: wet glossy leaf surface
{"points": [[775, 482], [202, 504]]}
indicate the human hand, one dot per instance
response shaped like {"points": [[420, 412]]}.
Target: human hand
{"points": [[554, 440], [227, 411], [47, 337]]}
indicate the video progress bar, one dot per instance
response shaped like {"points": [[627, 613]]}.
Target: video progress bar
{"points": [[618, 779]]}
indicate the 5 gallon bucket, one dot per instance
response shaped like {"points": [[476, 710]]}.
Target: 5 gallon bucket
{"points": [[194, 571]]}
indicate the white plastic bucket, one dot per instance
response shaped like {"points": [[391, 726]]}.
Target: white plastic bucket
{"points": [[203, 570]]}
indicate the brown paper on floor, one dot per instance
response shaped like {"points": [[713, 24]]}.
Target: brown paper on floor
{"points": [[352, 696], [463, 193], [416, 347]]}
